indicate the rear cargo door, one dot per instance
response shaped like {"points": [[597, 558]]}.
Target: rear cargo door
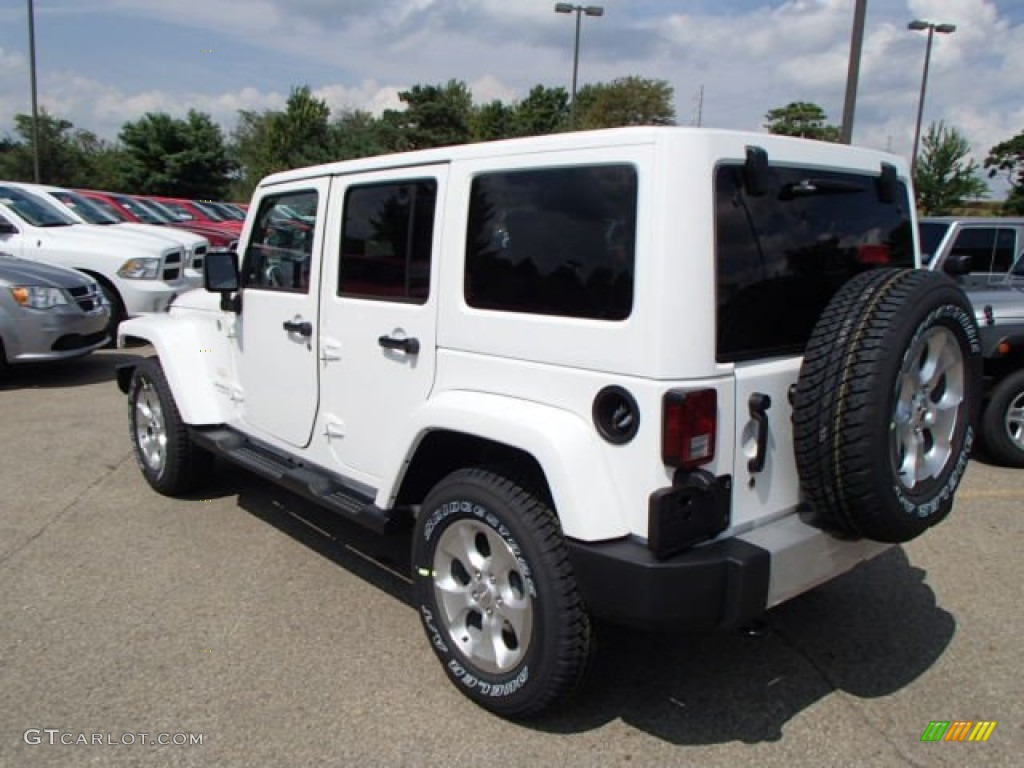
{"points": [[764, 475], [784, 246]]}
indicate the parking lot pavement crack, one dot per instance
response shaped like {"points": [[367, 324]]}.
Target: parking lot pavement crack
{"points": [[59, 514], [847, 699]]}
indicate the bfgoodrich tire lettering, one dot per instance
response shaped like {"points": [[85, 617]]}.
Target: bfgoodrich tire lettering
{"points": [[886, 403], [1003, 421], [496, 594], [169, 460]]}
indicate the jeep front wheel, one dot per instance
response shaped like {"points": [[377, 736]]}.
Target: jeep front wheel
{"points": [[169, 460], [496, 594], [1002, 424], [885, 405]]}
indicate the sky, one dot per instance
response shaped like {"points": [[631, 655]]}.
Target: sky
{"points": [[102, 62]]}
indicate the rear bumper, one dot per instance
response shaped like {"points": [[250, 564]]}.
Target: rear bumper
{"points": [[725, 584]]}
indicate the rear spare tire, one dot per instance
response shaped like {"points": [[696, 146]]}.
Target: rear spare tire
{"points": [[886, 403]]}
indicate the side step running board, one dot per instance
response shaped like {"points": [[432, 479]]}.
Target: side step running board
{"points": [[318, 485]]}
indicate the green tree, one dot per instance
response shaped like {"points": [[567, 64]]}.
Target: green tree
{"points": [[356, 133], [1007, 158], [181, 158], [491, 121], [803, 119], [67, 156], [270, 141], [543, 111], [945, 177], [626, 101], [435, 116]]}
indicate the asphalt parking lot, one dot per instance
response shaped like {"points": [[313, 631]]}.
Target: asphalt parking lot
{"points": [[281, 637]]}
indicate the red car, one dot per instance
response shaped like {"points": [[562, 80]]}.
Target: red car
{"points": [[129, 208], [196, 210]]}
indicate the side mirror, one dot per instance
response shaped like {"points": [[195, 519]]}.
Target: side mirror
{"points": [[220, 275], [6, 228], [958, 264]]}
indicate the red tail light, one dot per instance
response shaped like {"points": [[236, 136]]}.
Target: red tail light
{"points": [[688, 425]]}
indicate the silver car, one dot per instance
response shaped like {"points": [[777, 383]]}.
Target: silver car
{"points": [[48, 312]]}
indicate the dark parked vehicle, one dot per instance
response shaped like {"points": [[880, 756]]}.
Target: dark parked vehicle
{"points": [[1000, 314], [48, 312]]}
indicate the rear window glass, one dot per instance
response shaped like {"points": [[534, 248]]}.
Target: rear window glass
{"points": [[782, 255], [555, 241]]}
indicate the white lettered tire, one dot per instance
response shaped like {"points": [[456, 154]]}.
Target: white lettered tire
{"points": [[496, 594], [885, 409]]}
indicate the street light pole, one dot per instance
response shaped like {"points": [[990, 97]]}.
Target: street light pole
{"points": [[853, 73], [919, 26], [32, 77], [579, 10]]}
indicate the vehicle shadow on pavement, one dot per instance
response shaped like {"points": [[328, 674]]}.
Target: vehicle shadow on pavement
{"points": [[382, 561], [868, 633], [82, 371]]}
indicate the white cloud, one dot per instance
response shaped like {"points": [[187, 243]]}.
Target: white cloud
{"points": [[749, 57]]}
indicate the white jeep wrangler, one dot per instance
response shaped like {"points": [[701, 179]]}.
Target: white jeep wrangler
{"points": [[663, 376]]}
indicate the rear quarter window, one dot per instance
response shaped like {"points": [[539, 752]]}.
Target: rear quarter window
{"points": [[782, 255], [553, 241]]}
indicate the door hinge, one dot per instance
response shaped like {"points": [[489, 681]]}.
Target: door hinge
{"points": [[333, 427], [330, 351]]}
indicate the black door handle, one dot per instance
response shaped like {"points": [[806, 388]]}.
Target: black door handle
{"points": [[759, 404], [409, 346], [301, 327]]}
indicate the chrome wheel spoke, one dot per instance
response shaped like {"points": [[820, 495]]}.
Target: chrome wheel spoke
{"points": [[928, 403], [1015, 421], [481, 593], [150, 428]]}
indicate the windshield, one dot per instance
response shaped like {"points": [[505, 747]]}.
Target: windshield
{"points": [[167, 216], [177, 210], [137, 209], [931, 234], [227, 212], [209, 211], [107, 208], [88, 209], [34, 210]]}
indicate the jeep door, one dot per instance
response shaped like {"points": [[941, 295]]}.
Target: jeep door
{"points": [[379, 313], [277, 334]]}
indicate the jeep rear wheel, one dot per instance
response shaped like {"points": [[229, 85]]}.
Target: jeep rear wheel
{"points": [[885, 405], [1002, 424], [169, 460], [496, 594]]}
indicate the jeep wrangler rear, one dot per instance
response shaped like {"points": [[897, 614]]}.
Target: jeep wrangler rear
{"points": [[664, 376]]}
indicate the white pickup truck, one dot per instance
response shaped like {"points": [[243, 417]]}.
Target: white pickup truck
{"points": [[85, 211], [137, 274]]}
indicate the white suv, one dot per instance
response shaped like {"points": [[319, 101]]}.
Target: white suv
{"points": [[664, 376]]}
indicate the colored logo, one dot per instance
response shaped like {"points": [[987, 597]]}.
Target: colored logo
{"points": [[958, 730]]}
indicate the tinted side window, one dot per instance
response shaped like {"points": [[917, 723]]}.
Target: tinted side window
{"points": [[280, 252], [782, 255], [930, 234], [990, 249], [386, 241], [557, 241]]}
